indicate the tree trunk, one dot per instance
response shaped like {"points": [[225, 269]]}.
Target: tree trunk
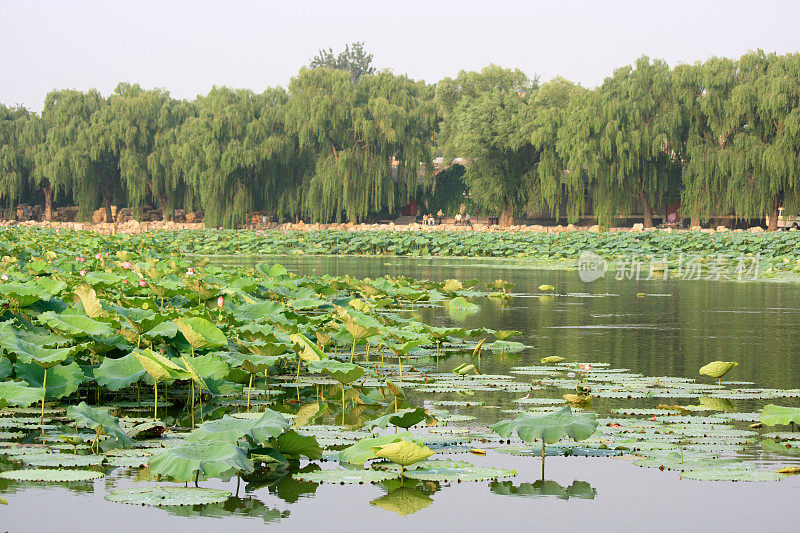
{"points": [[695, 221], [48, 203], [107, 203], [647, 211], [507, 215], [773, 219]]}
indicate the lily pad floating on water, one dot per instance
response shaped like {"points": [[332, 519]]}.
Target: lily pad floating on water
{"points": [[159, 496], [62, 460], [732, 472], [343, 476], [773, 415], [50, 475]]}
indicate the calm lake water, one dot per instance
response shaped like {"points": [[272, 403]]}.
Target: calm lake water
{"points": [[671, 331]]}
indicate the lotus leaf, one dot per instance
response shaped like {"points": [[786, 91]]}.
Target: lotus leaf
{"points": [[75, 325], [101, 422], [773, 415], [62, 380], [116, 374], [189, 461], [50, 475], [549, 428], [344, 476], [201, 334], [228, 429], [19, 394], [361, 452], [402, 452], [159, 496], [717, 369]]}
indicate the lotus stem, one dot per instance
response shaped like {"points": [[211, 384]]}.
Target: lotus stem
{"points": [[201, 404], [155, 409], [266, 380], [196, 477], [44, 393], [342, 386], [353, 349], [249, 388], [192, 404], [368, 345]]}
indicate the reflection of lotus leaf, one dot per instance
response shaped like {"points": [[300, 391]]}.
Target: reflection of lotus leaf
{"points": [[51, 475], [404, 501], [159, 496], [544, 488]]}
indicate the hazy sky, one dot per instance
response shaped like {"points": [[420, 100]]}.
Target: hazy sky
{"points": [[188, 46]]}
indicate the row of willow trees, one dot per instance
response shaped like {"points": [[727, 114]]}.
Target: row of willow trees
{"points": [[347, 143]]}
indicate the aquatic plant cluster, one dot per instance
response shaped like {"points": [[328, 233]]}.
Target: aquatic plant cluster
{"points": [[777, 253], [180, 372]]}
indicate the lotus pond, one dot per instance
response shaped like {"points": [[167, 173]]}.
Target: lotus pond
{"points": [[355, 393]]}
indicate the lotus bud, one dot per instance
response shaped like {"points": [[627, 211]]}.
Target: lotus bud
{"points": [[142, 283], [220, 302], [83, 272], [98, 255]]}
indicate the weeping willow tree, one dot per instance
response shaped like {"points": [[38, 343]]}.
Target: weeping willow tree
{"points": [[136, 124], [236, 153], [363, 136], [553, 183], [16, 165], [763, 159], [636, 122], [702, 92], [484, 120]]}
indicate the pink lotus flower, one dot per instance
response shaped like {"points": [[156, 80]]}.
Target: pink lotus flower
{"points": [[4, 277], [142, 283], [190, 271], [126, 264], [82, 272], [80, 259], [98, 255], [124, 280], [585, 367], [220, 302]]}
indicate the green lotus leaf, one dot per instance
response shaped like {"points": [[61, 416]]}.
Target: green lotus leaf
{"points": [[29, 351], [23, 294], [50, 475], [402, 452], [103, 279], [549, 428], [116, 374], [101, 422], [75, 325], [507, 346], [19, 394], [194, 375], [62, 380], [551, 359], [141, 320], [201, 334], [210, 366], [160, 496], [361, 452], [156, 365], [545, 288], [717, 369], [293, 445], [460, 305], [205, 459], [229, 429], [505, 334], [774, 415], [344, 373], [6, 367], [257, 311]]}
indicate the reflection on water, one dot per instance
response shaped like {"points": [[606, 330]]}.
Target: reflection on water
{"points": [[544, 488]]}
